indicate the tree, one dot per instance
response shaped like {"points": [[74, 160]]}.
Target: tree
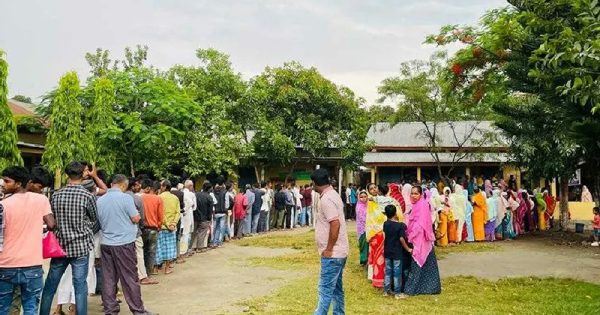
{"points": [[9, 152], [380, 113], [311, 111], [100, 128], [423, 95], [541, 49], [22, 98], [64, 141], [215, 144]]}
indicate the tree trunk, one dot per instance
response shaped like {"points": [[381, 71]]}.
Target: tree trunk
{"points": [[564, 204], [257, 173], [131, 168]]}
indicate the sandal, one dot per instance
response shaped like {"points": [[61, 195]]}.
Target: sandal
{"points": [[148, 281]]}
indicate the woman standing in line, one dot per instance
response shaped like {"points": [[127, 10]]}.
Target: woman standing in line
{"points": [[361, 218]]}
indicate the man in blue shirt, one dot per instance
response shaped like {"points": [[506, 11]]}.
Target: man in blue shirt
{"points": [[118, 218]]}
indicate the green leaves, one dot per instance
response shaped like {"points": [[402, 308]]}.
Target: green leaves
{"points": [[9, 152]]}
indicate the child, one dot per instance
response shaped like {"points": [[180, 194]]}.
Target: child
{"points": [[596, 226], [395, 251]]}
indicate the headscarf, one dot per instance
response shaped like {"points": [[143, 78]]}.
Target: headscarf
{"points": [[458, 203], [480, 201], [541, 202], [375, 218], [397, 195], [488, 187], [492, 206], [420, 230], [586, 195], [436, 204], [361, 214]]}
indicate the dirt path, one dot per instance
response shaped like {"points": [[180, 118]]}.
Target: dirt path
{"points": [[211, 283], [526, 257]]}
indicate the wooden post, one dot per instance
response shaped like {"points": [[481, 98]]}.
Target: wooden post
{"points": [[468, 171], [418, 174], [553, 187], [57, 180]]}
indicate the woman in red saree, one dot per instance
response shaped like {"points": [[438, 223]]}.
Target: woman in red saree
{"points": [[550, 207]]}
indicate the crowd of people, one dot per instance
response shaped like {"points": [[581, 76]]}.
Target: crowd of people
{"points": [[126, 233], [398, 221]]}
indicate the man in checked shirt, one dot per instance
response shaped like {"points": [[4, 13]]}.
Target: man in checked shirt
{"points": [[75, 210]]}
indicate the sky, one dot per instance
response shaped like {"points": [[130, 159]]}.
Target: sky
{"points": [[355, 43]]}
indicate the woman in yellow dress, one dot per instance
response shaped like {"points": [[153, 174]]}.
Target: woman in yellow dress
{"points": [[479, 215]]}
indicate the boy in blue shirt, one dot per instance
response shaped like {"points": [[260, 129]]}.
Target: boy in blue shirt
{"points": [[396, 252]]}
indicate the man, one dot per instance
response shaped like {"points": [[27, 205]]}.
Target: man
{"points": [[229, 197], [38, 180], [21, 246], [256, 207], [332, 244], [289, 206], [271, 196], [264, 209], [133, 188], [187, 221], [280, 204], [202, 218], [75, 211], [153, 219], [177, 190], [248, 220], [219, 215], [167, 238], [119, 220], [307, 203]]}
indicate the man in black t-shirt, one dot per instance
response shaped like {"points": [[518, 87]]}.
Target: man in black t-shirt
{"points": [[396, 250]]}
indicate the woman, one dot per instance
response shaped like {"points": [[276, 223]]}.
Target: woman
{"points": [[488, 188], [586, 195], [520, 213], [406, 195], [550, 207], [541, 211], [424, 276], [374, 231], [492, 213], [512, 205], [469, 217], [442, 230], [452, 229], [361, 217], [479, 214], [436, 206], [458, 203]]}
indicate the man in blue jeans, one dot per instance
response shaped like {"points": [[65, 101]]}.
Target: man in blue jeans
{"points": [[21, 217], [75, 211], [332, 243]]}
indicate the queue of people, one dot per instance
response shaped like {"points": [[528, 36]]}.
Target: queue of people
{"points": [[126, 233]]}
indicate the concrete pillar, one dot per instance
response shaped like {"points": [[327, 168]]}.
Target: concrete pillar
{"points": [[468, 171], [419, 174], [373, 172], [340, 178], [553, 188]]}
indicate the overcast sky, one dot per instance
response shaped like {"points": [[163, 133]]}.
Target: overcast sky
{"points": [[356, 43]]}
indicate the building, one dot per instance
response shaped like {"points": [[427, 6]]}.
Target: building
{"points": [[31, 139], [405, 151]]}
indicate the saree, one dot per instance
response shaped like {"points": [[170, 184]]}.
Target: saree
{"points": [[541, 211], [442, 230], [550, 207], [363, 245], [376, 259], [374, 235], [490, 225], [479, 216]]}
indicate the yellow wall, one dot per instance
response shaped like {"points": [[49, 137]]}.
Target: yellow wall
{"points": [[580, 211], [508, 170]]}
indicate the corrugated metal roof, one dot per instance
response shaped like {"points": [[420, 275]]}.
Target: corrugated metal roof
{"points": [[411, 134], [425, 157]]}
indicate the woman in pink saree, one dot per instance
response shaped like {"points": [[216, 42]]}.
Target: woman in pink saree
{"points": [[424, 275]]}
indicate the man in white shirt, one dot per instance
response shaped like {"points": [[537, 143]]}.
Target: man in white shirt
{"points": [[187, 220]]}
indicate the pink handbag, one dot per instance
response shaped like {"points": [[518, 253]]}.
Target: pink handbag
{"points": [[51, 248]]}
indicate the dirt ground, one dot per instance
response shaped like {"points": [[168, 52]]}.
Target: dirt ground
{"points": [[526, 257], [210, 283], [215, 282]]}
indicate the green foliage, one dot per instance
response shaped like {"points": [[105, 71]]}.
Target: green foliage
{"points": [[22, 98], [9, 152], [310, 110], [64, 142], [380, 113], [100, 128]]}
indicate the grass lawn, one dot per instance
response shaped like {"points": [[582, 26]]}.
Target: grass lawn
{"points": [[460, 295]]}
